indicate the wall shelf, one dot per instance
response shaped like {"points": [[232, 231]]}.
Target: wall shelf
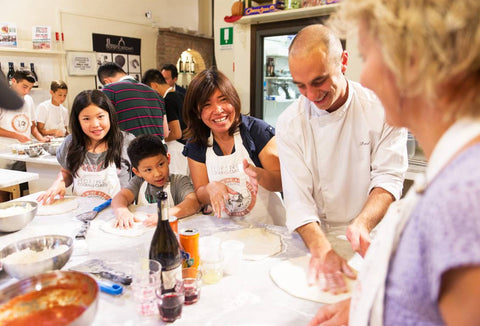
{"points": [[291, 14], [31, 51]]}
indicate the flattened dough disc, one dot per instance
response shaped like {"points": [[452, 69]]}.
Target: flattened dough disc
{"points": [[291, 276], [59, 206], [259, 242], [141, 212]]}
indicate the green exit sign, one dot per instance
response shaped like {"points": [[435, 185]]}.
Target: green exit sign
{"points": [[226, 37]]}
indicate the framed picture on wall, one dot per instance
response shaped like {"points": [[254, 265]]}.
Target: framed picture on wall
{"points": [[81, 63]]}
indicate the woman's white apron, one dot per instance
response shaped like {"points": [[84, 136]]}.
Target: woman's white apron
{"points": [[263, 207]]}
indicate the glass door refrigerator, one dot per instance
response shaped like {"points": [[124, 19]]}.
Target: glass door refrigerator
{"points": [[272, 89]]}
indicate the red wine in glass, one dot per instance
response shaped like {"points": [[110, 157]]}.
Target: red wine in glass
{"points": [[170, 306], [192, 292]]}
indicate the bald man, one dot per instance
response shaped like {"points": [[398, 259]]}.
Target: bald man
{"points": [[341, 164]]}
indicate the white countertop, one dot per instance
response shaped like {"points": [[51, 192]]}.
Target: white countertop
{"points": [[247, 298], [42, 159], [11, 177]]}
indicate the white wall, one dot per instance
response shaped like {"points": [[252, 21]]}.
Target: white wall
{"points": [[79, 19]]}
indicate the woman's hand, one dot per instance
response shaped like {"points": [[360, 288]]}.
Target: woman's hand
{"points": [[332, 314], [219, 194], [251, 172]]}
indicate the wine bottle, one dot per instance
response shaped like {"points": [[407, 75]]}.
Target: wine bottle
{"points": [[10, 73], [192, 66], [164, 247], [32, 69], [187, 65], [22, 66], [180, 65]]}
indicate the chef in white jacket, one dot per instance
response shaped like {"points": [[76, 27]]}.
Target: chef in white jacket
{"points": [[341, 164]]}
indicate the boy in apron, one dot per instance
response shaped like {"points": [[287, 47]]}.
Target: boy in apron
{"points": [[150, 162]]}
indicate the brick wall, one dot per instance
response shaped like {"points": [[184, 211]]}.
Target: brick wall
{"points": [[171, 44]]}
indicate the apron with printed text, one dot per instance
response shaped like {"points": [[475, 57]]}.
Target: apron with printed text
{"points": [[264, 207], [104, 184]]}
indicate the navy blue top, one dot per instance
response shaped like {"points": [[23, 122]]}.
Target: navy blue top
{"points": [[255, 135]]}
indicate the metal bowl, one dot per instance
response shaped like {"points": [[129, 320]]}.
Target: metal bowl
{"points": [[50, 297], [52, 148], [34, 150], [16, 221], [31, 268]]}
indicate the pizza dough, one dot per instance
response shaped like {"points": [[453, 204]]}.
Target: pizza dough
{"points": [[138, 228], [59, 206], [291, 276], [259, 242]]}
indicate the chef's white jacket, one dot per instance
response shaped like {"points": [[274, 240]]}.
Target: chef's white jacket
{"points": [[331, 161]]}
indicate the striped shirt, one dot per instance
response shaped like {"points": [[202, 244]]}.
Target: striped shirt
{"points": [[140, 110]]}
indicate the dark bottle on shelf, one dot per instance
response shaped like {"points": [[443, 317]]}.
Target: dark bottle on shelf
{"points": [[180, 65], [10, 73], [192, 66], [187, 65], [22, 66], [32, 69], [164, 247]]}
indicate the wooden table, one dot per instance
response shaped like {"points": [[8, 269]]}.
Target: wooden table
{"points": [[10, 180], [46, 166]]}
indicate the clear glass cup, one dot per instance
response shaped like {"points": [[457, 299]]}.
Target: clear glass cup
{"points": [[170, 304], [232, 251], [192, 283], [145, 283]]}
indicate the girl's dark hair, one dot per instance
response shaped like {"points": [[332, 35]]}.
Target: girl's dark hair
{"points": [[78, 147], [199, 91]]}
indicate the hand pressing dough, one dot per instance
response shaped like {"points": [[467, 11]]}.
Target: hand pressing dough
{"points": [[59, 206], [138, 228], [259, 242], [291, 276]]}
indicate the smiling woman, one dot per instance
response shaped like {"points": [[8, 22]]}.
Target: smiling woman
{"points": [[233, 159]]}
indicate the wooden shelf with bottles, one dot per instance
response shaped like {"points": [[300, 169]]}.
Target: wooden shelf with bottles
{"points": [[290, 14], [31, 51]]}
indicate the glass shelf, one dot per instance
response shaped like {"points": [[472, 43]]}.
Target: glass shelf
{"points": [[31, 51], [291, 14]]}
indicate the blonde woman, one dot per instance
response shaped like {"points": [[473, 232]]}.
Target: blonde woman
{"points": [[422, 59]]}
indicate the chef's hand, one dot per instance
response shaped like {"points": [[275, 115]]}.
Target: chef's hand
{"points": [[48, 197], [252, 175], [332, 314], [59, 133], [219, 194], [327, 269], [359, 237], [125, 219], [151, 220]]}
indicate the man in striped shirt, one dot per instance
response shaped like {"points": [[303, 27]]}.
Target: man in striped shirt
{"points": [[140, 110]]}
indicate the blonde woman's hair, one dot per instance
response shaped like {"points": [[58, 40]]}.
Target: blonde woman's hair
{"points": [[431, 46]]}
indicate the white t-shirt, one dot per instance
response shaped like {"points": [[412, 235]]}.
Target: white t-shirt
{"points": [[331, 161], [19, 121], [53, 116]]}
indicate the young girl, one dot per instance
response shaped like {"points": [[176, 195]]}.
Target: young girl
{"points": [[94, 156]]}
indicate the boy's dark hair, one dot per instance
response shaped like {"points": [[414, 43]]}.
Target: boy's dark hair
{"points": [[58, 84], [20, 75], [145, 146], [170, 67], [109, 69], [153, 76]]}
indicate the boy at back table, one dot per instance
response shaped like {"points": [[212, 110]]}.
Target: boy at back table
{"points": [[150, 162], [52, 116]]}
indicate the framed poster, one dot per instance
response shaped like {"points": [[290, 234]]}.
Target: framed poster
{"points": [[81, 63]]}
